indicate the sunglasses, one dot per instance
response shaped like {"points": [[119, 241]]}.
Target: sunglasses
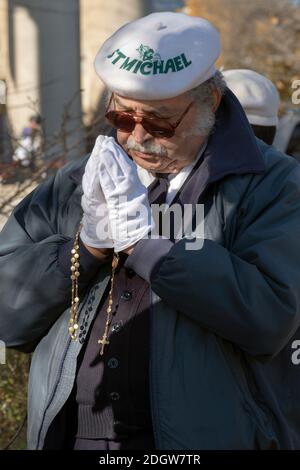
{"points": [[157, 127]]}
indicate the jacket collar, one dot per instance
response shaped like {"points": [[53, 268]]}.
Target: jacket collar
{"points": [[232, 147]]}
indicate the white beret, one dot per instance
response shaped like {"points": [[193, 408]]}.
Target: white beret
{"points": [[158, 56], [257, 95]]}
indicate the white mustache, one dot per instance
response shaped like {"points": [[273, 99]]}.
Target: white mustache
{"points": [[148, 147]]}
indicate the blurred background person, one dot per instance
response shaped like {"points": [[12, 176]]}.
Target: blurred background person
{"points": [[259, 98], [287, 138], [30, 143]]}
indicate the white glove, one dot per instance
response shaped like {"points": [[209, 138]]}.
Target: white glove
{"points": [[95, 223], [127, 198]]}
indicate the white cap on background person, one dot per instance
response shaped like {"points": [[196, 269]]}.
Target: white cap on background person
{"points": [[257, 94]]}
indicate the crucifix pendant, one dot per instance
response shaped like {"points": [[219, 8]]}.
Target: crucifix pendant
{"points": [[103, 342]]}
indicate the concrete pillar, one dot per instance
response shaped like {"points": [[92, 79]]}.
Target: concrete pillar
{"points": [[44, 68], [5, 143]]}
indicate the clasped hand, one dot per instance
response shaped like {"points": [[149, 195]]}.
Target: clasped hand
{"points": [[116, 211]]}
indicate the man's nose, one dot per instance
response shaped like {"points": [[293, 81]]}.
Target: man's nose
{"points": [[140, 134]]}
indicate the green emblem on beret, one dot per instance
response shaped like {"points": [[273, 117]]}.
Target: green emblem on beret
{"points": [[149, 62], [146, 53]]}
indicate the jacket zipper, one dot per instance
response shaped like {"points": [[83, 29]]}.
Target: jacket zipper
{"points": [[53, 392], [153, 402], [58, 377]]}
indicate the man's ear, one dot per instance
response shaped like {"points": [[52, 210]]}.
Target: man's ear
{"points": [[217, 96]]}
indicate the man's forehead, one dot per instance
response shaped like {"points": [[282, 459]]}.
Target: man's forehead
{"points": [[162, 106]]}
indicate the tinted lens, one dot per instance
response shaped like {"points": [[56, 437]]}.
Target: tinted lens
{"points": [[126, 123], [121, 121], [158, 128]]}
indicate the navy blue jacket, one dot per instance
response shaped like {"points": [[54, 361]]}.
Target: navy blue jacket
{"points": [[224, 317]]}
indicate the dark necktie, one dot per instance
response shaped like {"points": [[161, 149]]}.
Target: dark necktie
{"points": [[157, 193], [158, 189]]}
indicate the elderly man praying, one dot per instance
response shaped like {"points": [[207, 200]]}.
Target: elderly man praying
{"points": [[144, 339]]}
